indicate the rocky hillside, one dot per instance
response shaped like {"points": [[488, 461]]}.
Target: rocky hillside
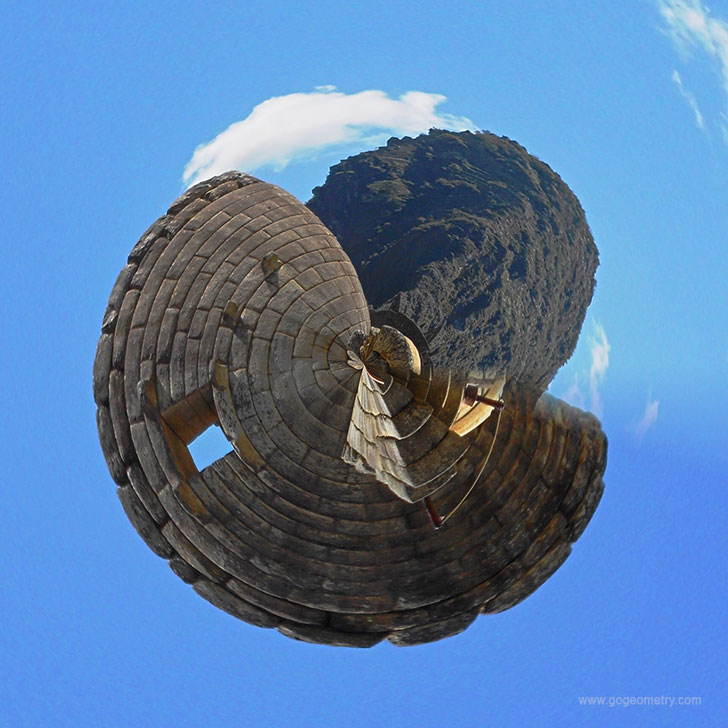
{"points": [[480, 243]]}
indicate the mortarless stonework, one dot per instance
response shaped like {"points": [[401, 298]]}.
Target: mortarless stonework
{"points": [[235, 309]]}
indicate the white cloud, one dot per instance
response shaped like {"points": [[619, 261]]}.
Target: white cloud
{"points": [[573, 395], [584, 390], [303, 125], [690, 98], [649, 417], [691, 26], [599, 348]]}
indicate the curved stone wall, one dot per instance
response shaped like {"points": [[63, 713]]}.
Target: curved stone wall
{"points": [[235, 309]]}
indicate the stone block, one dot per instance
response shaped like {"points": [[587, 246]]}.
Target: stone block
{"points": [[190, 300], [155, 234], [143, 522], [109, 446], [585, 510], [322, 635], [183, 570], [119, 421], [102, 369], [530, 580], [279, 607], [121, 286], [166, 334], [186, 280], [146, 494], [187, 205], [123, 325], [283, 298], [434, 630], [147, 264], [223, 599], [192, 554]]}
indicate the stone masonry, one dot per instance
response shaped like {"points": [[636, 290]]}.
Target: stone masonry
{"points": [[235, 310]]}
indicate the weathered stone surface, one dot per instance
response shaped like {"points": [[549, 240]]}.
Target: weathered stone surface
{"points": [[321, 635], [184, 571], [110, 446], [102, 369], [530, 580], [434, 630], [282, 532], [143, 523], [231, 604]]}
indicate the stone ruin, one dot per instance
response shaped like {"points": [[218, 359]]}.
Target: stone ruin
{"points": [[239, 309]]}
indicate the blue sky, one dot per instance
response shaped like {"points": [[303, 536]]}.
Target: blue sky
{"points": [[103, 110]]}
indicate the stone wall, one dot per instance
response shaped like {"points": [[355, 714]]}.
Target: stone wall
{"points": [[234, 310]]}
